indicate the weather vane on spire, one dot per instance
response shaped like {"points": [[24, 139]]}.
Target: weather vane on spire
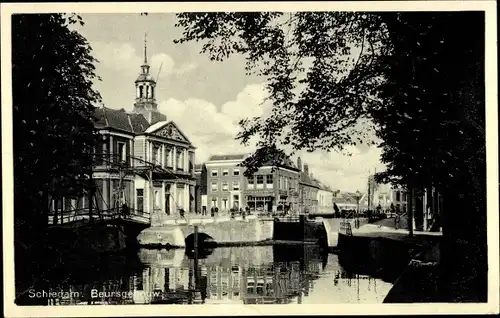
{"points": [[145, 48]]}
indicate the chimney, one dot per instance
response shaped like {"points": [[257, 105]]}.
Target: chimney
{"points": [[299, 163], [306, 169]]}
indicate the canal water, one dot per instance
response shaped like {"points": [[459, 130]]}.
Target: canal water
{"points": [[279, 274]]}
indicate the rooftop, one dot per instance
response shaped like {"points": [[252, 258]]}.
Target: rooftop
{"points": [[227, 157], [307, 180], [121, 120], [321, 185], [156, 126]]}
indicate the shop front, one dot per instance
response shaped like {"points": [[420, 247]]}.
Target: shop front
{"points": [[260, 201]]}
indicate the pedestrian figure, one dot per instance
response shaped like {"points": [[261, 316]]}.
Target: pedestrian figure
{"points": [[397, 221], [181, 213], [212, 211], [216, 211], [125, 210]]}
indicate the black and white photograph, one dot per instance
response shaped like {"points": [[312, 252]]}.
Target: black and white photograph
{"points": [[271, 158]]}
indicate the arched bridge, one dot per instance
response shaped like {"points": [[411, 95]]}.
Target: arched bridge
{"points": [[221, 230]]}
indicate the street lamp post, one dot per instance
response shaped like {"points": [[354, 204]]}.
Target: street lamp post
{"points": [[358, 197]]}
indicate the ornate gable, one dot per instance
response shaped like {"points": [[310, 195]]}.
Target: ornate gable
{"points": [[171, 131]]}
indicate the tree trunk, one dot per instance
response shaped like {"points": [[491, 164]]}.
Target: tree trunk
{"points": [[429, 209], [410, 210], [463, 252]]}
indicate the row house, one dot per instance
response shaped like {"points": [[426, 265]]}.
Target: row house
{"points": [[325, 198], [269, 189], [308, 190], [273, 188], [224, 180]]}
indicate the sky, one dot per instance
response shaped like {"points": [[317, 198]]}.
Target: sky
{"points": [[205, 99]]}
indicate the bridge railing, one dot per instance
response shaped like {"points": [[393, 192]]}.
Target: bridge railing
{"points": [[192, 218], [83, 214]]}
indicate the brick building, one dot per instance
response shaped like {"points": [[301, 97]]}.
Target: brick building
{"points": [[308, 190], [272, 191], [224, 182], [266, 191]]}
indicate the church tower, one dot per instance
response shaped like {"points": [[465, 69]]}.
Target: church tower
{"points": [[145, 101]]}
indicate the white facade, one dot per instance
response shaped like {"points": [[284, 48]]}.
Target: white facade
{"points": [[325, 201], [166, 195]]}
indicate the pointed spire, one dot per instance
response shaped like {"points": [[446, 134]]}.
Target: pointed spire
{"points": [[146, 48]]}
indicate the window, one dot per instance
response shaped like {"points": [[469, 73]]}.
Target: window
{"points": [[398, 196], [280, 182], [251, 182], [286, 183], [225, 172], [236, 185], [156, 155], [140, 199], [122, 151], [225, 186], [269, 179], [214, 187], [214, 202], [260, 182], [214, 172], [168, 157], [191, 162], [236, 201], [117, 195], [224, 204], [236, 172], [180, 160]]}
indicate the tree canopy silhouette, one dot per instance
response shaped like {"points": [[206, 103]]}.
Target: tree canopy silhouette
{"points": [[53, 123], [415, 75]]}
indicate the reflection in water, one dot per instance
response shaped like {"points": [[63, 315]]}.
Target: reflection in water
{"points": [[237, 275]]}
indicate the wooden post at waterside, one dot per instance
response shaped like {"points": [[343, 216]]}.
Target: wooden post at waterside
{"points": [[195, 244], [302, 222], [196, 270]]}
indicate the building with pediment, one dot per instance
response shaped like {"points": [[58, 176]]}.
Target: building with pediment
{"points": [[143, 160]]}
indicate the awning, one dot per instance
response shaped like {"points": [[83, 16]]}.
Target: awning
{"points": [[259, 193]]}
